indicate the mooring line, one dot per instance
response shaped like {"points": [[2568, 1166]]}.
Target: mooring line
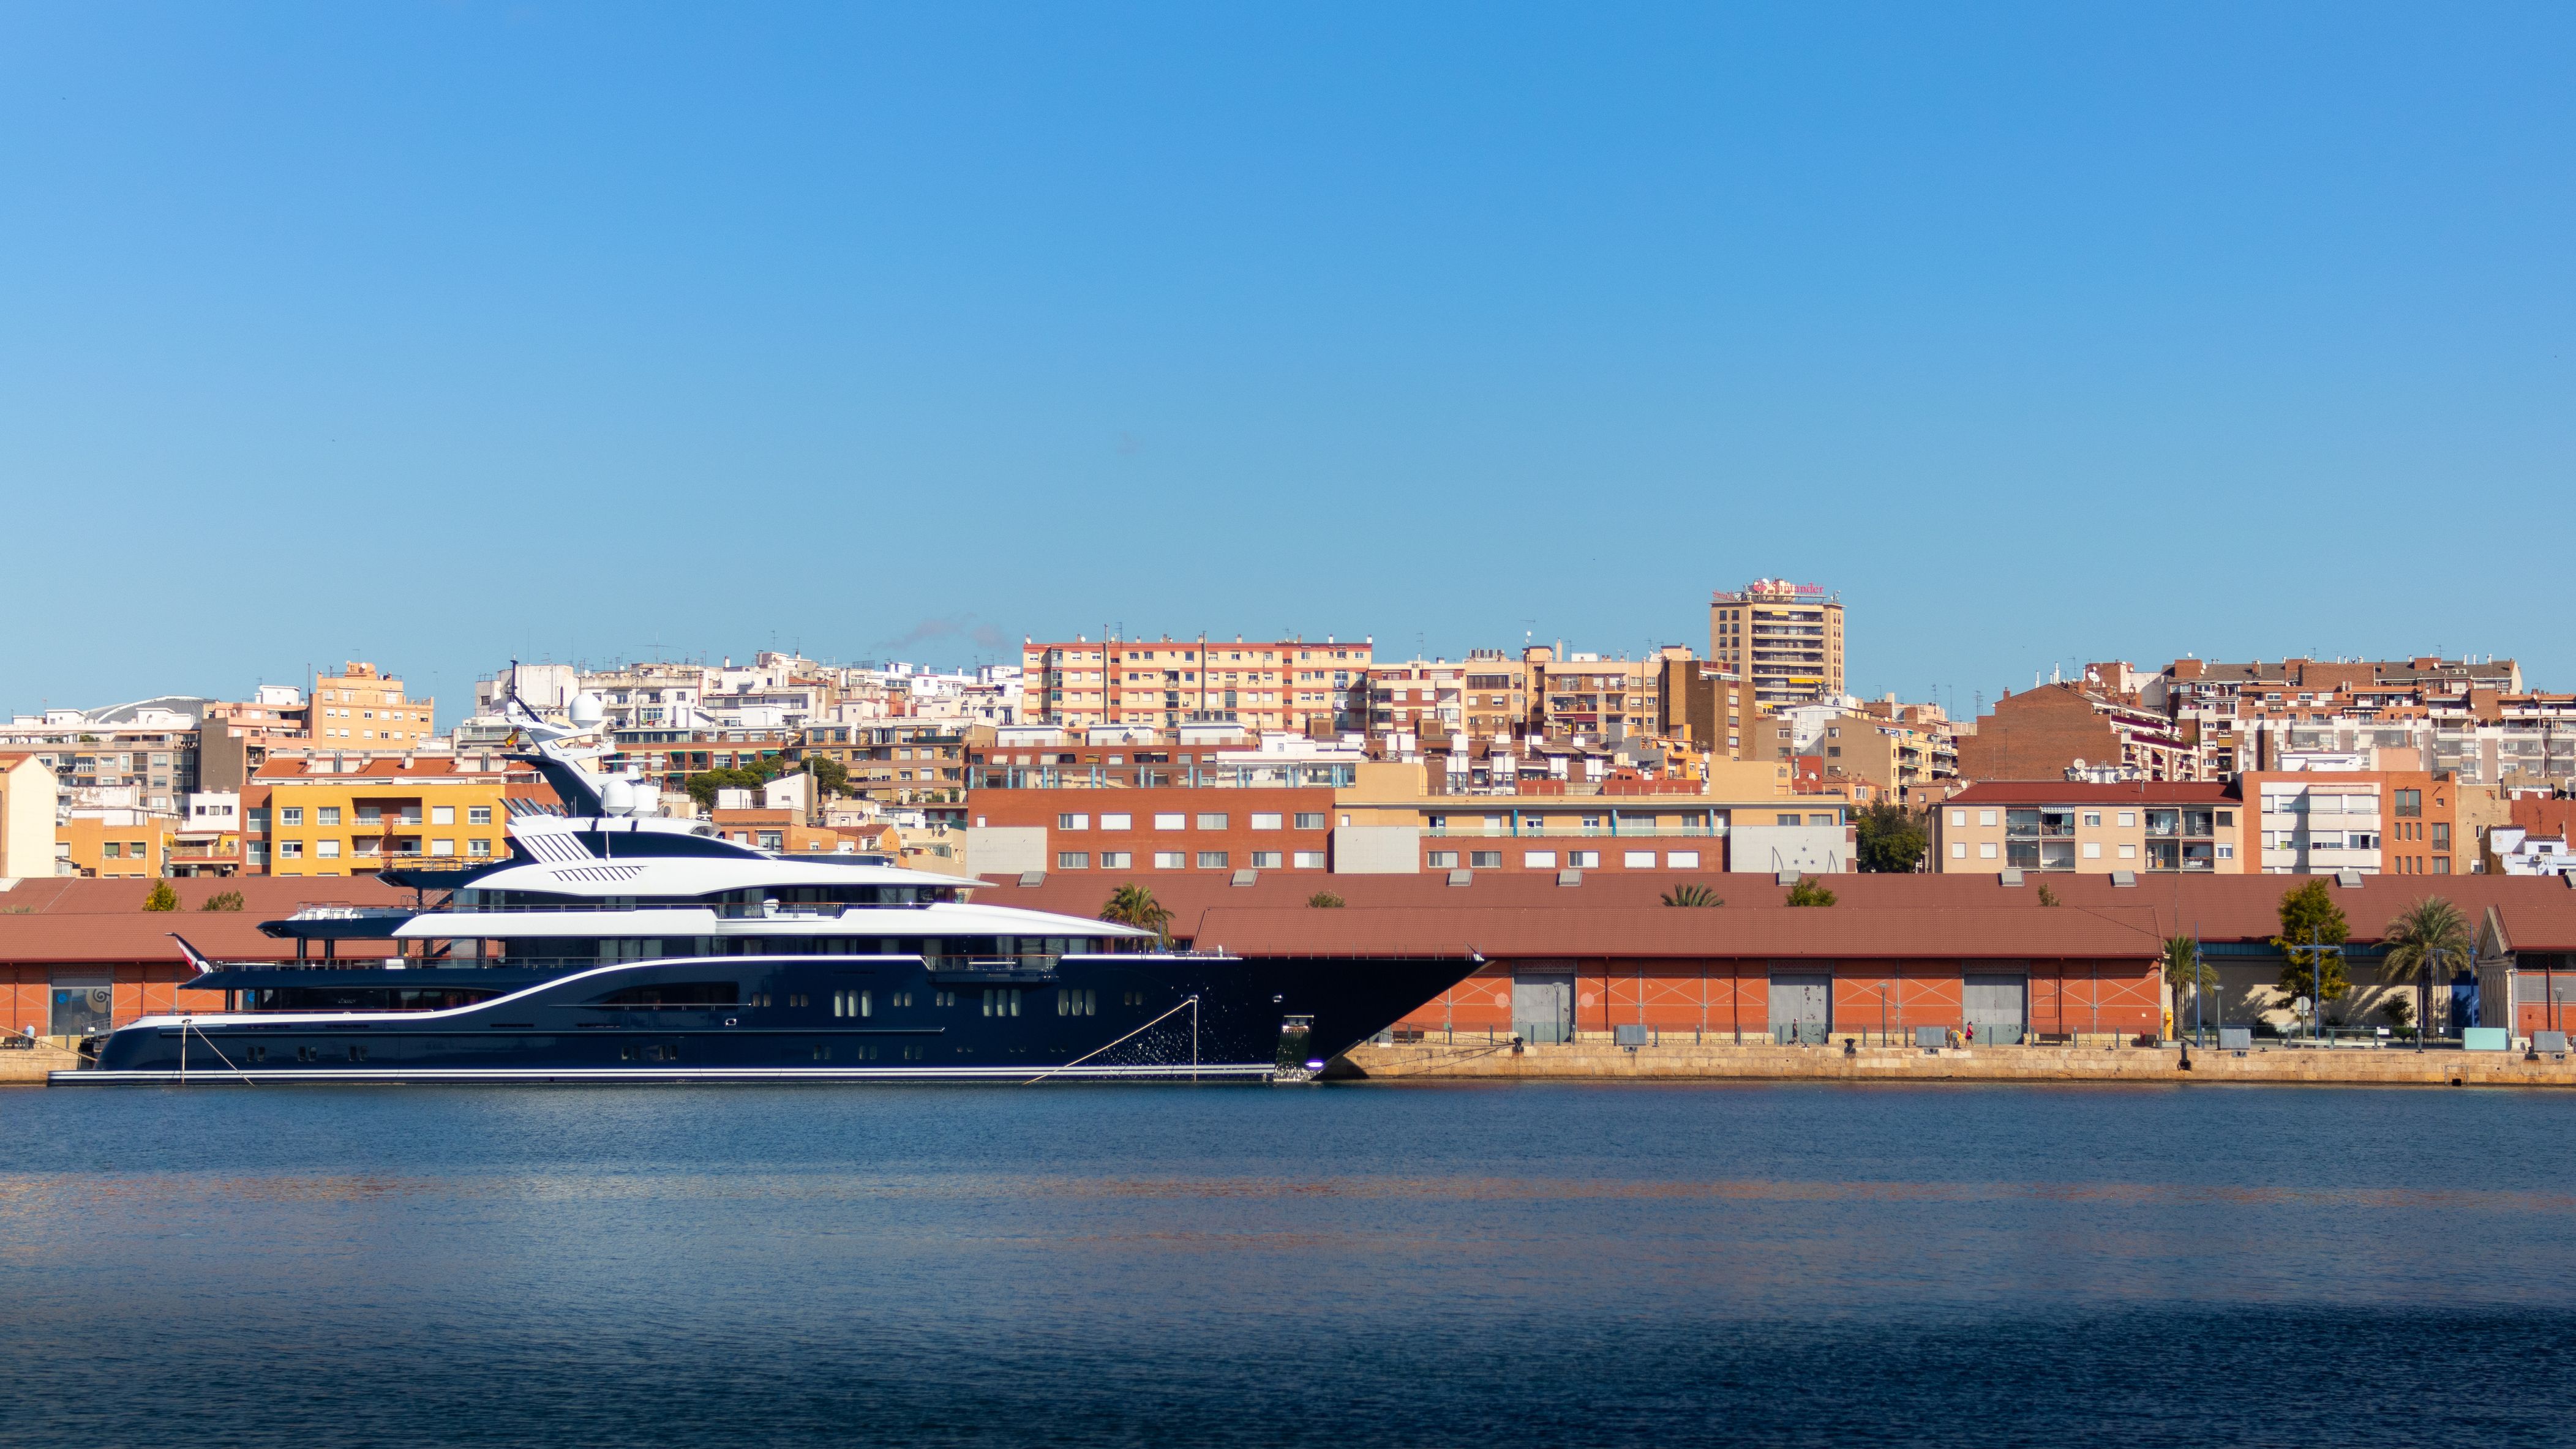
{"points": [[1191, 1002], [187, 1025]]}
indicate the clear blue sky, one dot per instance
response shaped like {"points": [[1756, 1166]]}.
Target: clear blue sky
{"points": [[433, 333]]}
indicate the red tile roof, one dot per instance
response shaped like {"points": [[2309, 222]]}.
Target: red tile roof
{"points": [[264, 898], [2539, 913], [1827, 934], [143, 937]]}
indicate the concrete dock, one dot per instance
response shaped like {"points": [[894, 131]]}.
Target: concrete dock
{"points": [[1685, 1060]]}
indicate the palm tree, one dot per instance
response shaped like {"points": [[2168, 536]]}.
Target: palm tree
{"points": [[2184, 967], [1692, 895], [2427, 937], [1134, 905]]}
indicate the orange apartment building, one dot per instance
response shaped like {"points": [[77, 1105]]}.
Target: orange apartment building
{"points": [[1294, 685], [2378, 822]]}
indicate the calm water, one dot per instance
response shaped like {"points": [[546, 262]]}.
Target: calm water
{"points": [[1287, 1266]]}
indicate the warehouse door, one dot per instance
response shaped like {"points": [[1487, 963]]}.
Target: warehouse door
{"points": [[84, 1003], [1802, 1007], [1992, 1003], [1543, 1003]]}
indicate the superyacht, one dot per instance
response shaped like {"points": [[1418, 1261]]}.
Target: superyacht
{"points": [[617, 945]]}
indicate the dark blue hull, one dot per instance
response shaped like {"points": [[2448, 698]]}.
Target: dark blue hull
{"points": [[808, 1018]]}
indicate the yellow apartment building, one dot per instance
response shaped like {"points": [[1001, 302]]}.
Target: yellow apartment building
{"points": [[327, 816]]}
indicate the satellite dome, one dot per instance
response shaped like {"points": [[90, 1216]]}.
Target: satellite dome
{"points": [[586, 710]]}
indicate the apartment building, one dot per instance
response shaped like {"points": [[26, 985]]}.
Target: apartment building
{"points": [[1591, 695], [1294, 685], [899, 761], [28, 792], [1077, 808], [360, 708], [666, 758], [209, 839], [236, 737], [1707, 707], [1786, 638], [2074, 827], [113, 844], [2325, 813], [137, 756], [2047, 731], [1424, 700], [351, 816], [1495, 695]]}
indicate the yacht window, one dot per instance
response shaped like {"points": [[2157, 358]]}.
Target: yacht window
{"points": [[1001, 1001], [675, 993], [1077, 1001]]}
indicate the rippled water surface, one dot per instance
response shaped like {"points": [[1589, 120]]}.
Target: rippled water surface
{"points": [[1287, 1266]]}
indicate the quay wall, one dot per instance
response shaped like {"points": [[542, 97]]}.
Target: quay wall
{"points": [[26, 1066], [1724, 1061]]}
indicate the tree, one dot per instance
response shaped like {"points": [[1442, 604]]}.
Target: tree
{"points": [[223, 901], [1889, 839], [2400, 1013], [830, 775], [2186, 970], [163, 898], [2427, 942], [703, 787], [1325, 900], [1134, 905], [2309, 914], [1807, 893], [1692, 895], [2047, 897]]}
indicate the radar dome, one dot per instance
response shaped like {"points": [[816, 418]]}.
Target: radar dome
{"points": [[616, 796], [586, 710]]}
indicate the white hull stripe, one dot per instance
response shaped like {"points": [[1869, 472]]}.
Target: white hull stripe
{"points": [[217, 1076]]}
